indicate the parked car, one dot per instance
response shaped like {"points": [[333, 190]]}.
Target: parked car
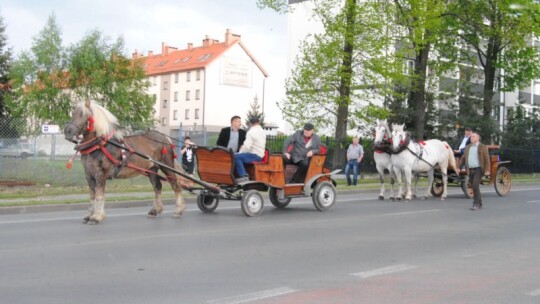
{"points": [[18, 150]]}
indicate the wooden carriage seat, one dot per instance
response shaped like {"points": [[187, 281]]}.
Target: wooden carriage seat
{"points": [[269, 170], [290, 169], [215, 165]]}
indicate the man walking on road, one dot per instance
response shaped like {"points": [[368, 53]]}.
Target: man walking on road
{"points": [[476, 160]]}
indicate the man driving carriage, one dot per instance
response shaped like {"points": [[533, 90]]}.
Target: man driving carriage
{"points": [[304, 143]]}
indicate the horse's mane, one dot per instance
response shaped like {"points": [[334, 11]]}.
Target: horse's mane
{"points": [[104, 121]]}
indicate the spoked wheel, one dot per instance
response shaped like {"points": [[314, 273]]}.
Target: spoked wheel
{"points": [[207, 203], [324, 196], [467, 187], [252, 203], [503, 181], [276, 201], [437, 188]]}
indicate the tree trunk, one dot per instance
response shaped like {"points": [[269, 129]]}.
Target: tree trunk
{"points": [[344, 90], [417, 95], [489, 83]]}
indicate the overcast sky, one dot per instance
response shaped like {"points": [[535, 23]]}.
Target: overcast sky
{"points": [[144, 25]]}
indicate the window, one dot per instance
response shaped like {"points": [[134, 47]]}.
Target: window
{"points": [[164, 103], [164, 121], [176, 78], [176, 96], [165, 84], [188, 93], [175, 115], [198, 77], [196, 114], [197, 94], [187, 114], [188, 76]]}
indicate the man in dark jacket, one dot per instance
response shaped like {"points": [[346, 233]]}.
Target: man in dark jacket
{"points": [[232, 137], [476, 160], [304, 143]]}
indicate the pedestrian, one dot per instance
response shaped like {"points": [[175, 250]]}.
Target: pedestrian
{"points": [[232, 137], [188, 157], [252, 150], [304, 143], [476, 161], [355, 153]]}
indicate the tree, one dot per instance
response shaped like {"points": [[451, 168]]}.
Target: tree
{"points": [[255, 111], [499, 32], [6, 128], [339, 72], [49, 78], [522, 129]]}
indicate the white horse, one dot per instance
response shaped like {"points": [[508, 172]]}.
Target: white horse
{"points": [[410, 156], [381, 154]]}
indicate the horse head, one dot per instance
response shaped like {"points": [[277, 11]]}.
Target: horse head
{"points": [[382, 132], [398, 136], [88, 117]]}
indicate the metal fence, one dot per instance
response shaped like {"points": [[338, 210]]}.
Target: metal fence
{"points": [[40, 159]]}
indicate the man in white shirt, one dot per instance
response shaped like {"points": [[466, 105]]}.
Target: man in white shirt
{"points": [[252, 149]]}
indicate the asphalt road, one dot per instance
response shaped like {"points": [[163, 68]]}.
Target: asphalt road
{"points": [[361, 251]]}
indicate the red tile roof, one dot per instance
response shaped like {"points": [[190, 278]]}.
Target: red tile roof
{"points": [[173, 60]]}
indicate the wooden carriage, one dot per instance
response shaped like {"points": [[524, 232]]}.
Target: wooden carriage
{"points": [[500, 176], [217, 166]]}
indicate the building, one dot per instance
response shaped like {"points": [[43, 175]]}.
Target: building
{"points": [[200, 88]]}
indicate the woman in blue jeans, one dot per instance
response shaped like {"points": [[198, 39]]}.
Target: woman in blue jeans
{"points": [[355, 153]]}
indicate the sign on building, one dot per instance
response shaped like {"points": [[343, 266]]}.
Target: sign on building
{"points": [[236, 72]]}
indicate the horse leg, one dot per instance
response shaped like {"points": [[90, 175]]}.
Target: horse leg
{"points": [[392, 180], [381, 180], [415, 188], [408, 177], [157, 207], [99, 213], [400, 190], [180, 202], [430, 174], [445, 184], [92, 206]]}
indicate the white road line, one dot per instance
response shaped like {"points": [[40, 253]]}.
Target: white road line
{"points": [[383, 271], [533, 201], [410, 212], [534, 293], [255, 296]]}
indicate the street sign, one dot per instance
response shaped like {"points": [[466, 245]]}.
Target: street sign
{"points": [[50, 129]]}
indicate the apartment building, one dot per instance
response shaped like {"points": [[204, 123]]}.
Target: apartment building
{"points": [[201, 87]]}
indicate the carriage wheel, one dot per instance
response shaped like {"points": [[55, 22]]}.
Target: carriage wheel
{"points": [[467, 187], [207, 203], [503, 181], [252, 203], [324, 196], [276, 201], [437, 188]]}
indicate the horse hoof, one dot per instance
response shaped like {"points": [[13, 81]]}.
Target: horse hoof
{"points": [[381, 198], [424, 198], [177, 215], [93, 222], [86, 219], [414, 196], [443, 198], [399, 198], [393, 199], [152, 213]]}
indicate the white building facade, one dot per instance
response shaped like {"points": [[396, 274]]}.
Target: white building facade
{"points": [[201, 88]]}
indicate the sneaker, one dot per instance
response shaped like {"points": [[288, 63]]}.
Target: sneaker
{"points": [[242, 179]]}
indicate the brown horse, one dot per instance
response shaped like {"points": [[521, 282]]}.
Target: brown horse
{"points": [[103, 159]]}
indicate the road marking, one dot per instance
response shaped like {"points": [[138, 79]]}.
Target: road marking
{"points": [[383, 271], [410, 212], [255, 296], [533, 201], [534, 293]]}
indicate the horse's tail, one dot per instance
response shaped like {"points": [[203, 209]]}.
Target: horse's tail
{"points": [[451, 159]]}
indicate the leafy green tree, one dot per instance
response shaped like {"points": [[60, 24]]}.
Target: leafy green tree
{"points": [[7, 129], [499, 32], [522, 130], [49, 78], [255, 111]]}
